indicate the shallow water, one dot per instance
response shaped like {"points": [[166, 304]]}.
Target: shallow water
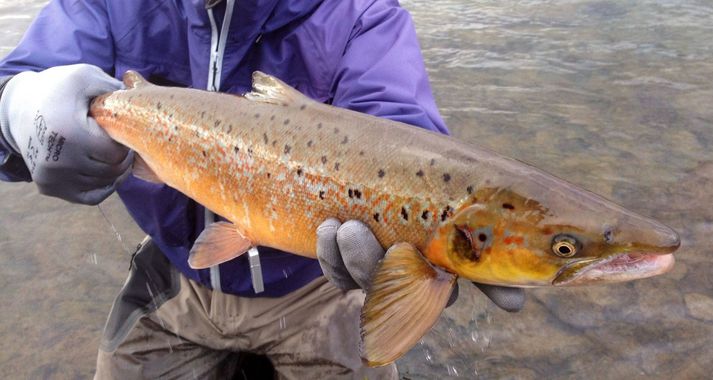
{"points": [[612, 95]]}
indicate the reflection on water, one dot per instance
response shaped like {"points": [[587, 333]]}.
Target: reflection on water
{"points": [[611, 95]]}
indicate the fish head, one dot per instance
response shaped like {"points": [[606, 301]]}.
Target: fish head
{"points": [[535, 236]]}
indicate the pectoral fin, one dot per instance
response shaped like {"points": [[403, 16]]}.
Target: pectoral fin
{"points": [[218, 243], [405, 300]]}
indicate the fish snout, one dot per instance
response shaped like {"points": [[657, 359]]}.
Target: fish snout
{"points": [[645, 235]]}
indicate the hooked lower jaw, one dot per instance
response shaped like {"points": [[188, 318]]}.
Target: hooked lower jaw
{"points": [[624, 267]]}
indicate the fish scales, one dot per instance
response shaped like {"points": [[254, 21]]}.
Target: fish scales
{"points": [[279, 170]]}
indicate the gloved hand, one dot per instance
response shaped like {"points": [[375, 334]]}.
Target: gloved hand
{"points": [[43, 117], [348, 253]]}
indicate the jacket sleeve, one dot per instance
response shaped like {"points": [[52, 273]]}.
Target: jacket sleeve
{"points": [[382, 71], [65, 32]]}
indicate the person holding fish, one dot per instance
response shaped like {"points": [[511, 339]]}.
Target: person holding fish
{"points": [[169, 319]]}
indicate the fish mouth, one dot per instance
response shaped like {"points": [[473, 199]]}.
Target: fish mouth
{"points": [[618, 268]]}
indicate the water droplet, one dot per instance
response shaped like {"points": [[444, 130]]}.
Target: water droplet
{"points": [[486, 343], [452, 371], [474, 336], [283, 323], [451, 337], [428, 356]]}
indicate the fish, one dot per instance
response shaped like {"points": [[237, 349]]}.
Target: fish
{"points": [[276, 164]]}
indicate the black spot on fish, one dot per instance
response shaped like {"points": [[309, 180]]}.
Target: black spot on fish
{"points": [[404, 214], [284, 104], [424, 215], [361, 152], [446, 213], [287, 121], [381, 173], [230, 128], [269, 175], [336, 166], [446, 177], [175, 127], [309, 144], [257, 115], [299, 171], [250, 151], [302, 107], [433, 161], [321, 194], [419, 173], [287, 149], [346, 140], [236, 149], [324, 159], [170, 116], [204, 153], [508, 206], [158, 105], [319, 125], [272, 117], [469, 189], [264, 138], [202, 114], [274, 142], [114, 114], [376, 217], [351, 193]]}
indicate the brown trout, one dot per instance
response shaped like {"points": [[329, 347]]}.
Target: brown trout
{"points": [[277, 164]]}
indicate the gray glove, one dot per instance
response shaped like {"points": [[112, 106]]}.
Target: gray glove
{"points": [[349, 252], [43, 117]]}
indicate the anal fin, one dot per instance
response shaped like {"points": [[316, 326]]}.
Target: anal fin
{"points": [[218, 243], [406, 298]]}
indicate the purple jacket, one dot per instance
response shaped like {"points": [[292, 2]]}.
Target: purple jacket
{"points": [[357, 54]]}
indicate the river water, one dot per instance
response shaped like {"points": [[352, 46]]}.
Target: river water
{"points": [[613, 95]]}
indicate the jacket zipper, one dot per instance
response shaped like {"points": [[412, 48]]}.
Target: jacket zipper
{"points": [[218, 40], [215, 67]]}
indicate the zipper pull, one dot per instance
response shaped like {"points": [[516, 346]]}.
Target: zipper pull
{"points": [[256, 270], [211, 3]]}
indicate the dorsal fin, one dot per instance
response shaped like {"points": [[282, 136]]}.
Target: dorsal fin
{"points": [[269, 89], [133, 79]]}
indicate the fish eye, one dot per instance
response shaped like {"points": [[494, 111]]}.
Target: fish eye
{"points": [[565, 245]]}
